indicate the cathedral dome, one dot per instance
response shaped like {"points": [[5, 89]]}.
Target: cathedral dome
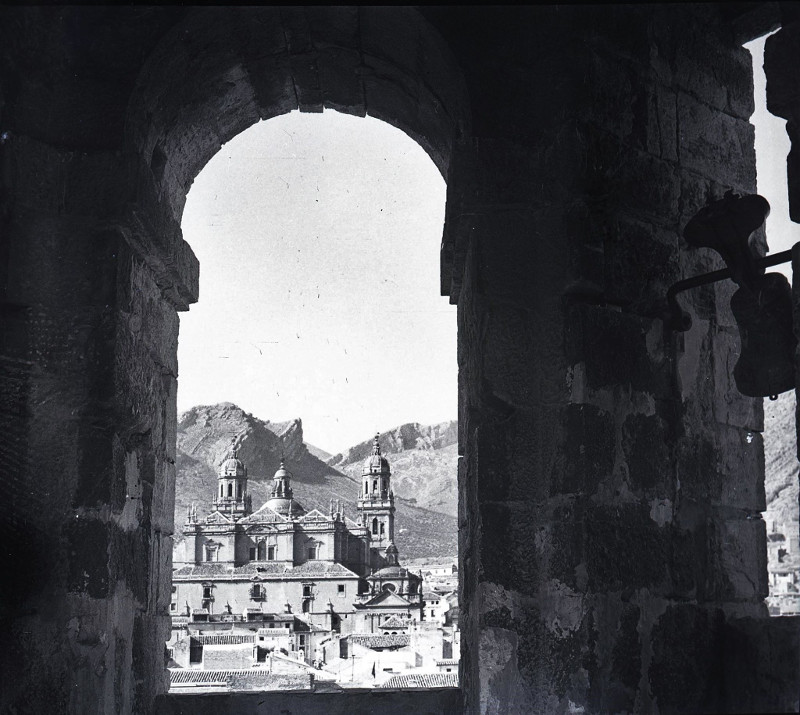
{"points": [[232, 466], [391, 572], [285, 507], [375, 463], [282, 473], [282, 500]]}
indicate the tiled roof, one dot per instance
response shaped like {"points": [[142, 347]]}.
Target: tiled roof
{"points": [[204, 569], [264, 515], [224, 639], [264, 569], [394, 622], [422, 680], [185, 676], [321, 567], [379, 640], [261, 567], [447, 661]]}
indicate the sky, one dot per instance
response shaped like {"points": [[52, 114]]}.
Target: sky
{"points": [[772, 147], [318, 238]]}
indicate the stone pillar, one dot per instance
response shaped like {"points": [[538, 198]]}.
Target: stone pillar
{"points": [[612, 477], [89, 393]]}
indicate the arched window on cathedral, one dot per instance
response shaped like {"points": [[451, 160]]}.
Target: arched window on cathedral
{"points": [[262, 551], [366, 487], [238, 491], [374, 526], [271, 553], [382, 529], [230, 490], [222, 490], [374, 485]]}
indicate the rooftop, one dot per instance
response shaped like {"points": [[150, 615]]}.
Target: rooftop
{"points": [[377, 640], [422, 680]]}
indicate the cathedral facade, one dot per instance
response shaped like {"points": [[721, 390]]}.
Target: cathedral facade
{"points": [[241, 566]]}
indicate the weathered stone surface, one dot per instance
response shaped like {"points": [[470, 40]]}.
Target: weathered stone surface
{"points": [[609, 468], [686, 667], [716, 144]]}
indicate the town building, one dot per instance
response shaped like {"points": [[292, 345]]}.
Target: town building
{"points": [[291, 576], [611, 477]]}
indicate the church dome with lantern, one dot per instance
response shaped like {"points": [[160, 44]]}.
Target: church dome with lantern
{"points": [[375, 463]]}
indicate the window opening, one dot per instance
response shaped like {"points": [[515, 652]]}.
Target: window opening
{"points": [[262, 245], [779, 435]]}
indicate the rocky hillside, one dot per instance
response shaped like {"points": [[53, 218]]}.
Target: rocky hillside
{"points": [[781, 465], [204, 435]]}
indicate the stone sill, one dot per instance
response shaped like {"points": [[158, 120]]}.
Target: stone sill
{"points": [[433, 701]]}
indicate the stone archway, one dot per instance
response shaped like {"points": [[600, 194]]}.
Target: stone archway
{"points": [[219, 71]]}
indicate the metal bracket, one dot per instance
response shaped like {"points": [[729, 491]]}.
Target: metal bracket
{"points": [[678, 319]]}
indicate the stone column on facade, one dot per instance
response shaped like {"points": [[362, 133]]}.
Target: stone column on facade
{"points": [[91, 355], [610, 468]]}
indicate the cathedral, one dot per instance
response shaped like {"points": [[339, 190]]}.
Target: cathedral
{"points": [[240, 565]]}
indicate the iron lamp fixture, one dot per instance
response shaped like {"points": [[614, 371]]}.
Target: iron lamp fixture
{"points": [[762, 305]]}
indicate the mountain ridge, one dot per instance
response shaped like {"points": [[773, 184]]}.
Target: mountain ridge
{"points": [[204, 437]]}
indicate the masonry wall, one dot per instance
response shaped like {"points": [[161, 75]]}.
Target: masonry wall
{"points": [[612, 476], [612, 557], [88, 378]]}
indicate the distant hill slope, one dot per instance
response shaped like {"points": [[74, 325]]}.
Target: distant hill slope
{"points": [[424, 461], [781, 465], [204, 435]]}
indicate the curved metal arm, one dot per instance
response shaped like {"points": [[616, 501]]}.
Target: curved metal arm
{"points": [[678, 319]]}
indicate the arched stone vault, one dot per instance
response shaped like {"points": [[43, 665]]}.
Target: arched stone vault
{"points": [[608, 559], [223, 69]]}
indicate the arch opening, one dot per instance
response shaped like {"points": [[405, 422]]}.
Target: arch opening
{"points": [[220, 71]]}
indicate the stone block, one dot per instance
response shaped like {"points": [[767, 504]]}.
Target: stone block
{"points": [[716, 144], [662, 123], [782, 50], [588, 442], [718, 75], [61, 262], [743, 558], [509, 350], [619, 179], [625, 549], [46, 107], [641, 263], [273, 85], [646, 446], [340, 81], [95, 465], [518, 456], [723, 466], [130, 560], [686, 664], [615, 349], [88, 542], [741, 469], [508, 545], [762, 663], [731, 407], [626, 663]]}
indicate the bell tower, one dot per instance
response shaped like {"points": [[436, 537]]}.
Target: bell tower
{"points": [[232, 498], [376, 500]]}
